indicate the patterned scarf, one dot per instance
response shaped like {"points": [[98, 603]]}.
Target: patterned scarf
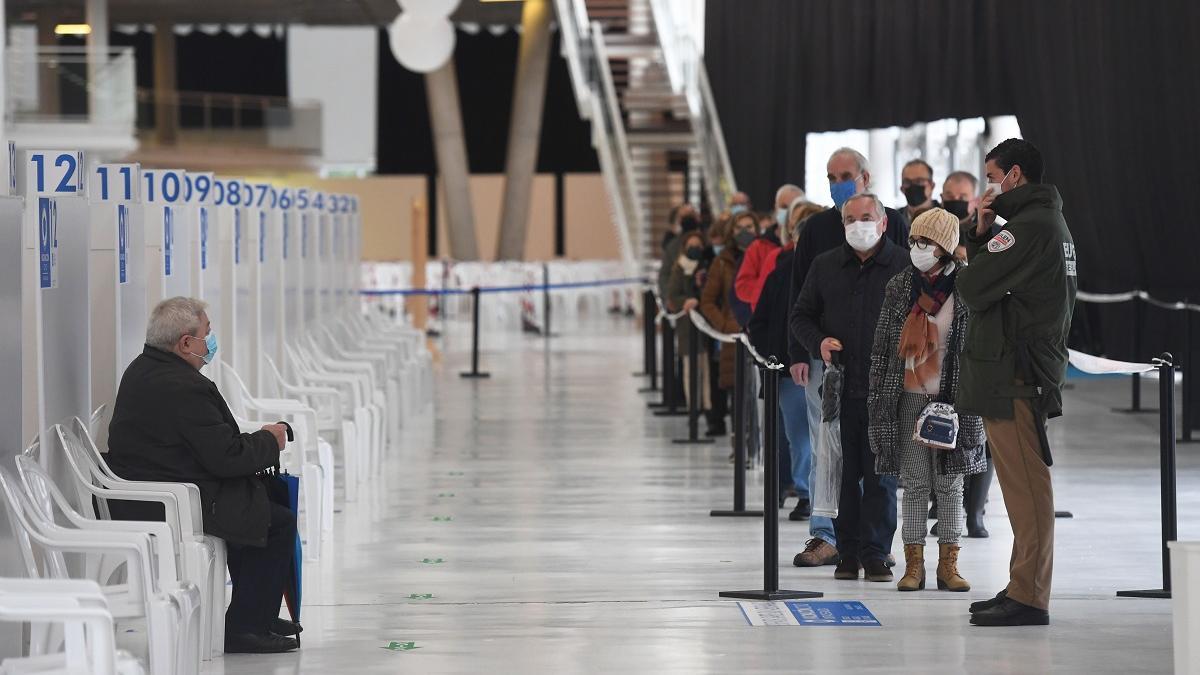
{"points": [[919, 337]]}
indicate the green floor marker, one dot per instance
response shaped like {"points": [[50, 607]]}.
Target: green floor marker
{"points": [[457, 473], [433, 561], [442, 519], [445, 494], [420, 596], [401, 646]]}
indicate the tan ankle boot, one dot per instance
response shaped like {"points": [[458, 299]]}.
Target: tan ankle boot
{"points": [[948, 578], [914, 568]]}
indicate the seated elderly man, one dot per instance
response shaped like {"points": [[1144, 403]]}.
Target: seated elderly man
{"points": [[171, 424]]}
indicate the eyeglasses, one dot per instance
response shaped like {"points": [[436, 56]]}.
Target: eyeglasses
{"points": [[920, 245]]}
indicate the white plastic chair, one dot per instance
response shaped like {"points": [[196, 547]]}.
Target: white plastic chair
{"points": [[88, 645], [171, 615], [368, 417], [202, 558]]}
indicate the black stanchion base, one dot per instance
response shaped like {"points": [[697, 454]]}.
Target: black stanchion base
{"points": [[1155, 593], [475, 376], [1136, 411], [656, 404], [691, 441], [1063, 514], [1186, 441], [647, 390], [670, 413], [641, 374], [771, 595], [717, 513]]}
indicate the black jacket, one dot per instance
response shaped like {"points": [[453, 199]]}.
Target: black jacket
{"points": [[768, 327], [170, 424], [825, 232], [842, 298]]}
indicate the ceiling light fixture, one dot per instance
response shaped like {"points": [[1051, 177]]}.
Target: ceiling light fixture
{"points": [[72, 29]]}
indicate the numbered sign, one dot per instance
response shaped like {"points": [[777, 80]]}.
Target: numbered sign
{"points": [[12, 168], [122, 243], [55, 173], [286, 228], [163, 186], [264, 196], [115, 183], [198, 188], [237, 237], [47, 243], [203, 239], [262, 236]]}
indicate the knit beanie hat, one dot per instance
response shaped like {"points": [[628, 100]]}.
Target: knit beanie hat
{"points": [[939, 226]]}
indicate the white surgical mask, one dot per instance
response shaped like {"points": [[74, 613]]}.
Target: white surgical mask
{"points": [[997, 188], [781, 217], [923, 259], [862, 236]]}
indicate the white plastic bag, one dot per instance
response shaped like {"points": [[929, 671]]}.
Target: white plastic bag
{"points": [[827, 468]]}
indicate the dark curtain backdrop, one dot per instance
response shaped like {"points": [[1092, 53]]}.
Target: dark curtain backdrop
{"points": [[1107, 89], [222, 63], [486, 68]]}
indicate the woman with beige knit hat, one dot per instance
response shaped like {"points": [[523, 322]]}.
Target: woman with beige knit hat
{"points": [[914, 362]]}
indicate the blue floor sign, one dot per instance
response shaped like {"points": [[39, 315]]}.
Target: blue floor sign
{"points": [[799, 613]]}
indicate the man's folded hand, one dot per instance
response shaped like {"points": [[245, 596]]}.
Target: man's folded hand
{"points": [[279, 431]]}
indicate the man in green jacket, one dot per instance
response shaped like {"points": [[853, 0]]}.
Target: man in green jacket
{"points": [[1020, 287]]}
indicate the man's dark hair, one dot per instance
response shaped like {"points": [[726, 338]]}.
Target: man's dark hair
{"points": [[919, 162], [1017, 151], [964, 175]]}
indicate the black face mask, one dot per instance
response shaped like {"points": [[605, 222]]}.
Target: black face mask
{"points": [[959, 207], [914, 195], [744, 238], [694, 253], [689, 223]]}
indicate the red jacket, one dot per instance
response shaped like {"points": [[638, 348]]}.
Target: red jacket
{"points": [[756, 266]]}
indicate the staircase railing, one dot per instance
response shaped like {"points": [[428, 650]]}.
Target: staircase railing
{"points": [[583, 48], [685, 68]]}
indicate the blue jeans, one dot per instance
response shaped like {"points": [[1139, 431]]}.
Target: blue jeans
{"points": [[793, 412], [820, 526]]}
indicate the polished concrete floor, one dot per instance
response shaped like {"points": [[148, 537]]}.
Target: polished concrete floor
{"points": [[579, 541]]}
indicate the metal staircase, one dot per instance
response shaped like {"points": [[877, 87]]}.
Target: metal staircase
{"points": [[642, 84]]}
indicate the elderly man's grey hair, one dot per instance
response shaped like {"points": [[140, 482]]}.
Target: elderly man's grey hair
{"points": [[859, 159], [172, 319], [865, 195], [788, 192]]}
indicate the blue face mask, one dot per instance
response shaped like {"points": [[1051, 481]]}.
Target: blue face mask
{"points": [[738, 209], [210, 342], [781, 217], [841, 191]]}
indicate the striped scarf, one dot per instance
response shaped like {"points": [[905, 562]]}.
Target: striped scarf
{"points": [[919, 337]]}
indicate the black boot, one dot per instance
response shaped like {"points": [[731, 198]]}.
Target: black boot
{"points": [[974, 500]]}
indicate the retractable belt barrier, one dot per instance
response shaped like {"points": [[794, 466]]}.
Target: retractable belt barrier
{"points": [[1140, 300]]}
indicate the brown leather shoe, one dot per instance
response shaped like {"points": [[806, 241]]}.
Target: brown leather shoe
{"points": [[914, 569], [817, 553], [948, 578]]}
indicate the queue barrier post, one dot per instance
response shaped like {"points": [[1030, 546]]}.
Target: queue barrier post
{"points": [[694, 385], [1139, 320], [672, 387], [1166, 468], [1188, 371], [649, 354], [475, 372], [739, 442], [770, 589]]}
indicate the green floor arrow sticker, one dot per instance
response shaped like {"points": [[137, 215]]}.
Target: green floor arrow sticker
{"points": [[401, 646], [420, 596], [442, 519], [457, 473], [433, 561], [445, 494]]}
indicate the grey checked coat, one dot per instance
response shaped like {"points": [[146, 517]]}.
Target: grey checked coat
{"points": [[887, 381]]}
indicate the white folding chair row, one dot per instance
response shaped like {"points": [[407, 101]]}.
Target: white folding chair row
{"points": [[169, 608], [312, 368], [385, 368], [79, 610], [409, 344], [200, 557], [331, 423], [314, 467]]}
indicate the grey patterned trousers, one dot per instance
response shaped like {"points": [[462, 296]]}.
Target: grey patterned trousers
{"points": [[919, 470]]}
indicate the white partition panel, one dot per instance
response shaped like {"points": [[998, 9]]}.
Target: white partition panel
{"points": [[291, 265], [324, 244], [168, 235], [56, 240], [18, 413], [272, 306], [247, 324], [229, 245], [310, 230], [118, 279]]}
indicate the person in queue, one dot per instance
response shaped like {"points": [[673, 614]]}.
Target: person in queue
{"points": [[754, 269], [1020, 289], [960, 195], [849, 174], [837, 311], [684, 219], [916, 184], [739, 203], [768, 330], [737, 233], [683, 295], [170, 424], [914, 362]]}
